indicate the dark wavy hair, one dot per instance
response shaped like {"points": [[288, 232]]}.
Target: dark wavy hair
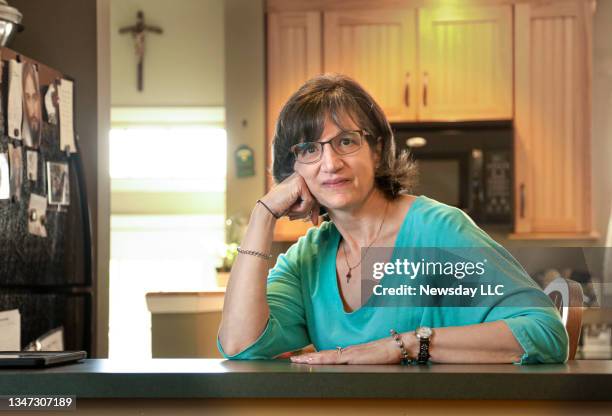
{"points": [[302, 118]]}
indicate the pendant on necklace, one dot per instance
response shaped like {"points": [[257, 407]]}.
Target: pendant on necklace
{"points": [[348, 276]]}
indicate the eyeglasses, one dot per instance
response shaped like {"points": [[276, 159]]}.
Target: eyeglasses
{"points": [[343, 144]]}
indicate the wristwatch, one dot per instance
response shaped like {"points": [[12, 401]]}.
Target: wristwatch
{"points": [[423, 334]]}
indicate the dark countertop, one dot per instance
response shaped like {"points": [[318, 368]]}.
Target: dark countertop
{"points": [[212, 378]]}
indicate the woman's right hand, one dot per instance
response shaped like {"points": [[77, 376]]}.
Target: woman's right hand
{"points": [[292, 197]]}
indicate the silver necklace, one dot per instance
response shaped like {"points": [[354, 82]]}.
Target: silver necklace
{"points": [[348, 274]]}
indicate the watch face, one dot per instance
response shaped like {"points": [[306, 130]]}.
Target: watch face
{"points": [[423, 332]]}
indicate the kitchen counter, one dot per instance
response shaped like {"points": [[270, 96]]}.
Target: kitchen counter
{"points": [[212, 378]]}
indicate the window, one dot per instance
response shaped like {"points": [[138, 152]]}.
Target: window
{"points": [[167, 219]]}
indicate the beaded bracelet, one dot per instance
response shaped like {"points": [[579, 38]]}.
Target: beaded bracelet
{"points": [[254, 253], [405, 360]]}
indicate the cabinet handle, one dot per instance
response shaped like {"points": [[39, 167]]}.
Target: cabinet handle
{"points": [[425, 81], [407, 90], [522, 200]]}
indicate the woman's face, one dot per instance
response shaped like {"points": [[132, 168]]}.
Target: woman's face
{"points": [[340, 182]]}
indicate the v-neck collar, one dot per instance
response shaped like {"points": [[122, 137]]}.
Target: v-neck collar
{"points": [[332, 253]]}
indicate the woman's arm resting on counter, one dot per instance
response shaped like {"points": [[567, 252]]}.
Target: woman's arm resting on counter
{"points": [[509, 335], [490, 342]]}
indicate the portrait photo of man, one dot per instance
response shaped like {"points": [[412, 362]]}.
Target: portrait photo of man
{"points": [[32, 120]]}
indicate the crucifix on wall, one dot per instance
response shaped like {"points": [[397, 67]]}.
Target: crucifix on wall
{"points": [[138, 33]]}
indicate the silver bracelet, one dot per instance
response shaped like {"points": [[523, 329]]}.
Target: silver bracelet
{"points": [[254, 253]]}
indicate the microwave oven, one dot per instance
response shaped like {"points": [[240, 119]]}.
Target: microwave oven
{"points": [[469, 165]]}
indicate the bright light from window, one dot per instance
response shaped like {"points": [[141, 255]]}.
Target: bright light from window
{"points": [[165, 251], [168, 153]]}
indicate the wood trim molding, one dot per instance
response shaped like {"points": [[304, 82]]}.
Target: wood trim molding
{"points": [[592, 236], [186, 302], [522, 115], [323, 5], [588, 11]]}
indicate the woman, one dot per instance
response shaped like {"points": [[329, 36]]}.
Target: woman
{"points": [[313, 293]]}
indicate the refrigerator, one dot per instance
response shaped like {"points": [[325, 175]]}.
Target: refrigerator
{"points": [[47, 278]]}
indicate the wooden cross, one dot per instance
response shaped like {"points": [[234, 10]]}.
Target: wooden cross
{"points": [[138, 33]]}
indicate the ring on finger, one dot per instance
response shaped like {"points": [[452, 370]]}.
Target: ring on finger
{"points": [[339, 350]]}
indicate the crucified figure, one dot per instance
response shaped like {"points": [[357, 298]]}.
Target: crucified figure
{"points": [[138, 33]]}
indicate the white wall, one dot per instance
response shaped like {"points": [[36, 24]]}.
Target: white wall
{"points": [[245, 100], [184, 66]]}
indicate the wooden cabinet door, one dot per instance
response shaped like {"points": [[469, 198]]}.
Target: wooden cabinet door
{"points": [[294, 56], [465, 63], [552, 124], [378, 49]]}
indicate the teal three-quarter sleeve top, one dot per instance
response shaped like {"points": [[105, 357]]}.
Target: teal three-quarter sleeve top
{"points": [[306, 307]]}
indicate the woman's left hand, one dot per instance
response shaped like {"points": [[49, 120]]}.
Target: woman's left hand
{"points": [[382, 351]]}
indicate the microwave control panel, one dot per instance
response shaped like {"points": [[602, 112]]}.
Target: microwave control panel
{"points": [[498, 185]]}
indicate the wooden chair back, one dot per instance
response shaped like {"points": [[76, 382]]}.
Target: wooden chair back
{"points": [[567, 297]]}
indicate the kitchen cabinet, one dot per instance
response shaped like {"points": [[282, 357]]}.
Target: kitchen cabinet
{"points": [[294, 56], [431, 64], [465, 63], [377, 48], [552, 124], [424, 60], [463, 69]]}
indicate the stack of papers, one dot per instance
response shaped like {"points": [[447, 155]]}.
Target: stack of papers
{"points": [[10, 330]]}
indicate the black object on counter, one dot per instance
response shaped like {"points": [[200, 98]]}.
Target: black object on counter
{"points": [[39, 358]]}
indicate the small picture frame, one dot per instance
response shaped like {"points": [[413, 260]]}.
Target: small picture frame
{"points": [[32, 165], [16, 170], [58, 183], [245, 162], [36, 215]]}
